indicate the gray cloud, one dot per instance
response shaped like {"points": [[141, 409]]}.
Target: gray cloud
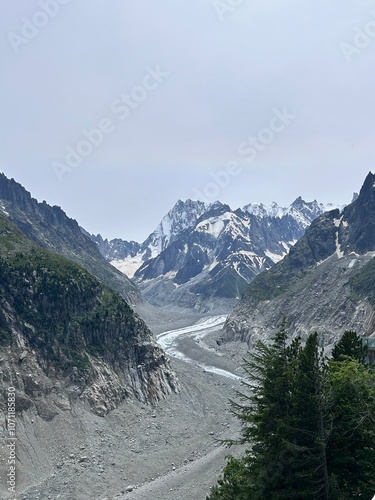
{"points": [[225, 79]]}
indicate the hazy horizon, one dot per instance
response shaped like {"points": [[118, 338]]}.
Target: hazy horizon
{"points": [[115, 114]]}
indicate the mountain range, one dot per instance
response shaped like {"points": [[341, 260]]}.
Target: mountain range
{"points": [[74, 349], [326, 282], [65, 309], [66, 330], [203, 256]]}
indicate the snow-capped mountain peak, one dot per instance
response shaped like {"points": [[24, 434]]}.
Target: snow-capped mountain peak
{"points": [[209, 250], [181, 217], [300, 210], [260, 210]]}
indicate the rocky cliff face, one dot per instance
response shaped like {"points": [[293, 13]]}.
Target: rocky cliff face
{"points": [[64, 335], [55, 231], [325, 283], [128, 256]]}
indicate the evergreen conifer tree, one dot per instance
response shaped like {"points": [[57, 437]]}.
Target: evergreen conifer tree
{"points": [[309, 425], [350, 345], [351, 447]]}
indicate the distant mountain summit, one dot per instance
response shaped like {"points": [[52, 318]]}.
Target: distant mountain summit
{"points": [[325, 282], [304, 212], [204, 255], [128, 256]]}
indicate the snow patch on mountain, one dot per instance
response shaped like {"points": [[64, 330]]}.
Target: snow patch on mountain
{"points": [[261, 211], [275, 257], [212, 226], [301, 211], [207, 250], [128, 266]]}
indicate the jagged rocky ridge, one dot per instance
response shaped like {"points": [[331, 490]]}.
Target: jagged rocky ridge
{"points": [[325, 283], [54, 230], [128, 256], [64, 335], [203, 256]]}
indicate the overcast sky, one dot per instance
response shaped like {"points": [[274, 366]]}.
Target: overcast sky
{"points": [[249, 101]]}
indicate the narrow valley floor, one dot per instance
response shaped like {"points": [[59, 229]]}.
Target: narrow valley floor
{"points": [[164, 452]]}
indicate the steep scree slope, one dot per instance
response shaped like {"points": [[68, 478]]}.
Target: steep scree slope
{"points": [[325, 283]]}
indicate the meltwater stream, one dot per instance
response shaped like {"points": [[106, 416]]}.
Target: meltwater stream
{"points": [[169, 342]]}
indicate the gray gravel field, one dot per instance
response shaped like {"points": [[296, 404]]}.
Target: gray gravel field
{"points": [[168, 451]]}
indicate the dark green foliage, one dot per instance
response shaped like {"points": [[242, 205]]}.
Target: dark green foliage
{"points": [[46, 287], [11, 238], [265, 410], [234, 483], [32, 224], [363, 283], [309, 421], [350, 345], [309, 426], [65, 312], [351, 447]]}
